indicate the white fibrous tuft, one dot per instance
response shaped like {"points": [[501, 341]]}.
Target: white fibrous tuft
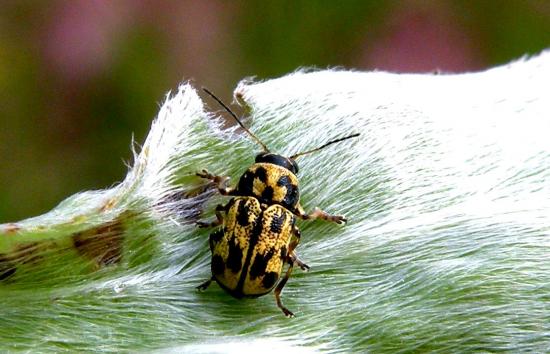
{"points": [[447, 246]]}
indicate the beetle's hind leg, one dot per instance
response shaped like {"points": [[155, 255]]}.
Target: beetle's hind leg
{"points": [[292, 259], [205, 285], [219, 218], [220, 182], [279, 289]]}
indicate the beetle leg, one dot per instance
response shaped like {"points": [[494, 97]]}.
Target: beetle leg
{"points": [[278, 290], [292, 256], [294, 259], [218, 181], [319, 214], [205, 285], [219, 218], [297, 233]]}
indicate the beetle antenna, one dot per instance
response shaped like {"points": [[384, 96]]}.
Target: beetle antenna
{"points": [[254, 137], [324, 146]]}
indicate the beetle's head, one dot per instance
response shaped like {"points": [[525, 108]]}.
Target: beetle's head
{"points": [[278, 160]]}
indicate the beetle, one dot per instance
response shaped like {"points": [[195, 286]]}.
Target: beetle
{"points": [[258, 232]]}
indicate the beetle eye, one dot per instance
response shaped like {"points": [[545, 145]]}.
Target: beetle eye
{"points": [[294, 165], [260, 156]]}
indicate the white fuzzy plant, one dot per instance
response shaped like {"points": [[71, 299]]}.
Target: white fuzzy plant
{"points": [[447, 248]]}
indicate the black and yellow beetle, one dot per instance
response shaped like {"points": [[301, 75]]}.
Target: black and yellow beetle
{"points": [[259, 233]]}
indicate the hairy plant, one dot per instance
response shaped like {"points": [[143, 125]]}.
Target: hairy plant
{"points": [[447, 247]]}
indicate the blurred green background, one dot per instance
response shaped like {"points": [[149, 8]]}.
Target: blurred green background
{"points": [[78, 78]]}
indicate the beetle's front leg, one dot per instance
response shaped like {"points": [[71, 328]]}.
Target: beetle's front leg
{"points": [[219, 218], [220, 182], [319, 214]]}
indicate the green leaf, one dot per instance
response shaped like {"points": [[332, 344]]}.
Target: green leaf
{"points": [[446, 249]]}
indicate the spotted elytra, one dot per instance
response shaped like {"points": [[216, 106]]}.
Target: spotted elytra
{"points": [[257, 233]]}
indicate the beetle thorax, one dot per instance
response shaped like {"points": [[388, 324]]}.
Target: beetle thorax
{"points": [[270, 184]]}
